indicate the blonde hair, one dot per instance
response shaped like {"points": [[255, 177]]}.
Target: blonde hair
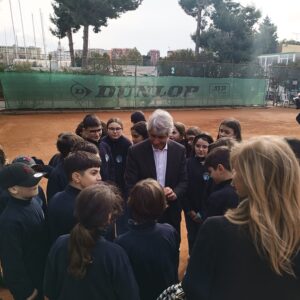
{"points": [[270, 175]]}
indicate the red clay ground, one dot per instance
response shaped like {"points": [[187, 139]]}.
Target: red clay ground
{"points": [[35, 134]]}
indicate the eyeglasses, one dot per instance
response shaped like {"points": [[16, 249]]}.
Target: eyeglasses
{"points": [[114, 128]]}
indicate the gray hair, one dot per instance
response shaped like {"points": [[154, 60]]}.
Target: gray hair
{"points": [[161, 122]]}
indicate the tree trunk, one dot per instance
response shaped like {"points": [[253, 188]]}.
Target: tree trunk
{"points": [[85, 46], [71, 47], [198, 31]]}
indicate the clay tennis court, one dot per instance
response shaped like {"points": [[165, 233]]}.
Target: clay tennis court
{"points": [[35, 134]]}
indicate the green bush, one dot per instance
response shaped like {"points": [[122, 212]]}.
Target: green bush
{"points": [[22, 67]]}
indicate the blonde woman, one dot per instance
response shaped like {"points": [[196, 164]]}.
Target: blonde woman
{"points": [[253, 251]]}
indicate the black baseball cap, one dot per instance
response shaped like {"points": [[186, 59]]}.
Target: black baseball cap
{"points": [[19, 174], [27, 160]]}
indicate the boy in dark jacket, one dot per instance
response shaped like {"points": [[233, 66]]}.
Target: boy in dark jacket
{"points": [[152, 248], [82, 170], [223, 196], [92, 132], [58, 179], [23, 237]]}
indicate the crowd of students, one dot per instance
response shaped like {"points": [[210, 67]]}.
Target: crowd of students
{"points": [[110, 227]]}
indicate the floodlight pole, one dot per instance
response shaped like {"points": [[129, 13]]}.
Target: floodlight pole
{"points": [[43, 34], [33, 30], [24, 41], [13, 26]]}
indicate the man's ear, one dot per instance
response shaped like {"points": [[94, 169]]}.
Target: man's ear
{"points": [[84, 132], [109, 218], [76, 177], [13, 190]]}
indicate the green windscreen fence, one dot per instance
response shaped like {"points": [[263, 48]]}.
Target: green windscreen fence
{"points": [[71, 91]]}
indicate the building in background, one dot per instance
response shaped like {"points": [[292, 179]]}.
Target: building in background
{"points": [[286, 48], [154, 56], [9, 53], [289, 53], [266, 60], [170, 52], [118, 53], [92, 52], [59, 58]]}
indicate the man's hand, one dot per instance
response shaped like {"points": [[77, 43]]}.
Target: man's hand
{"points": [[169, 193], [192, 214], [195, 216]]}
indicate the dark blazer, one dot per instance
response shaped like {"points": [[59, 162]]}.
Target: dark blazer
{"points": [[141, 165], [225, 265]]}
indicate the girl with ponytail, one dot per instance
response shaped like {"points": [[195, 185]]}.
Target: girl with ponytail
{"points": [[82, 264]]}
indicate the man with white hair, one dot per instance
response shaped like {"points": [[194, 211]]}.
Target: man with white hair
{"points": [[162, 159]]}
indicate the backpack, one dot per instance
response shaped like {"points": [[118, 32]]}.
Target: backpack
{"points": [[173, 292]]}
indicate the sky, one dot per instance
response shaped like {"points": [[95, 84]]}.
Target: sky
{"points": [[156, 24]]}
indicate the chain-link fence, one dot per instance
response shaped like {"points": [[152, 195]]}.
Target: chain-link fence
{"points": [[283, 83], [49, 82]]}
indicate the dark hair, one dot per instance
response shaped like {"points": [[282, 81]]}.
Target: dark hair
{"points": [[223, 141], [193, 130], [294, 143], [86, 147], [141, 129], [96, 207], [91, 121], [180, 128], [114, 120], [218, 156], [203, 136], [66, 141], [80, 161], [79, 129], [137, 116], [235, 126], [147, 201], [104, 129], [2, 157]]}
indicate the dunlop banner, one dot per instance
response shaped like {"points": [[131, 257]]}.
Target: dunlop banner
{"points": [[54, 91]]}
